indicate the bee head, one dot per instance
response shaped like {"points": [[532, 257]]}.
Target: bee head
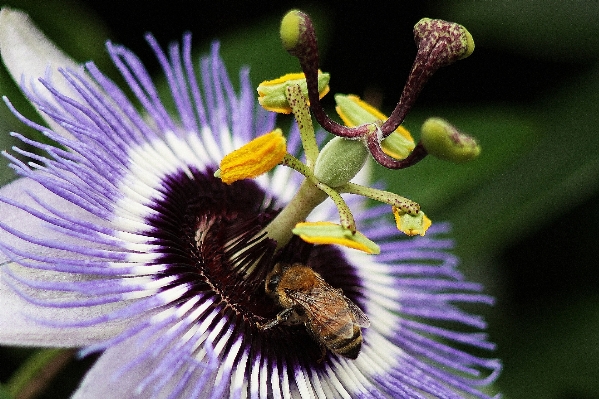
{"points": [[273, 278]]}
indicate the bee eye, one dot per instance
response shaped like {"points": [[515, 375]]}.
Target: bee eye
{"points": [[273, 282]]}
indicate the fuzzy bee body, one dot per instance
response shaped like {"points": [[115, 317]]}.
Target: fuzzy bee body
{"points": [[331, 318]]}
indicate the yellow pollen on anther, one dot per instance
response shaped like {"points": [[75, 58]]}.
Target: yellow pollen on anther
{"points": [[253, 159], [285, 78]]}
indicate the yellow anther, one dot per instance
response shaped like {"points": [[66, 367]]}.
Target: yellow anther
{"points": [[411, 224], [253, 159], [271, 93], [331, 233]]}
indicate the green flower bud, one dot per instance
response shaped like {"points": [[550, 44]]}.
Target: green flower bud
{"points": [[445, 142]]}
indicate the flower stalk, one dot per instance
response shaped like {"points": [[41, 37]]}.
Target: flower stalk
{"points": [[37, 371], [297, 210]]}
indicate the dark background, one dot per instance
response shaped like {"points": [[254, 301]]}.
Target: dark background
{"points": [[526, 214]]}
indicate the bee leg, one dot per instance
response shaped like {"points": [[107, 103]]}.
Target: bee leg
{"points": [[281, 318], [323, 353]]}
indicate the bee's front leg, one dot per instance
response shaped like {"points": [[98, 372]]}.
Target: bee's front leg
{"points": [[282, 317], [323, 353]]}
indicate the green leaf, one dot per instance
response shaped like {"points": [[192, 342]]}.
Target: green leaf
{"points": [[553, 354], [4, 394], [551, 28], [559, 170]]}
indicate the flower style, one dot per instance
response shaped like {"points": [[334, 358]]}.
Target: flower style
{"points": [[121, 240]]}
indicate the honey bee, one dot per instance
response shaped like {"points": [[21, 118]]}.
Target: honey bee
{"points": [[331, 318]]}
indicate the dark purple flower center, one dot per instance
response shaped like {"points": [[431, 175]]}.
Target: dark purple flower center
{"points": [[208, 234]]}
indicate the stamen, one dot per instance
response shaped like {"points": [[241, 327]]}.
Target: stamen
{"points": [[272, 93], [328, 172], [253, 159], [399, 202], [301, 112], [411, 224], [345, 215], [331, 233], [353, 112]]}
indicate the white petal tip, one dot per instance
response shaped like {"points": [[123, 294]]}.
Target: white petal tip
{"points": [[28, 54]]}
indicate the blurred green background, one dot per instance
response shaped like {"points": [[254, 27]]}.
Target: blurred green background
{"points": [[525, 214]]}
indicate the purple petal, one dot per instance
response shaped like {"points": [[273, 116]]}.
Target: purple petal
{"points": [[19, 318]]}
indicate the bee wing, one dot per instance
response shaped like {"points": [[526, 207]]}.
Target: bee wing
{"points": [[327, 310], [360, 317]]}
